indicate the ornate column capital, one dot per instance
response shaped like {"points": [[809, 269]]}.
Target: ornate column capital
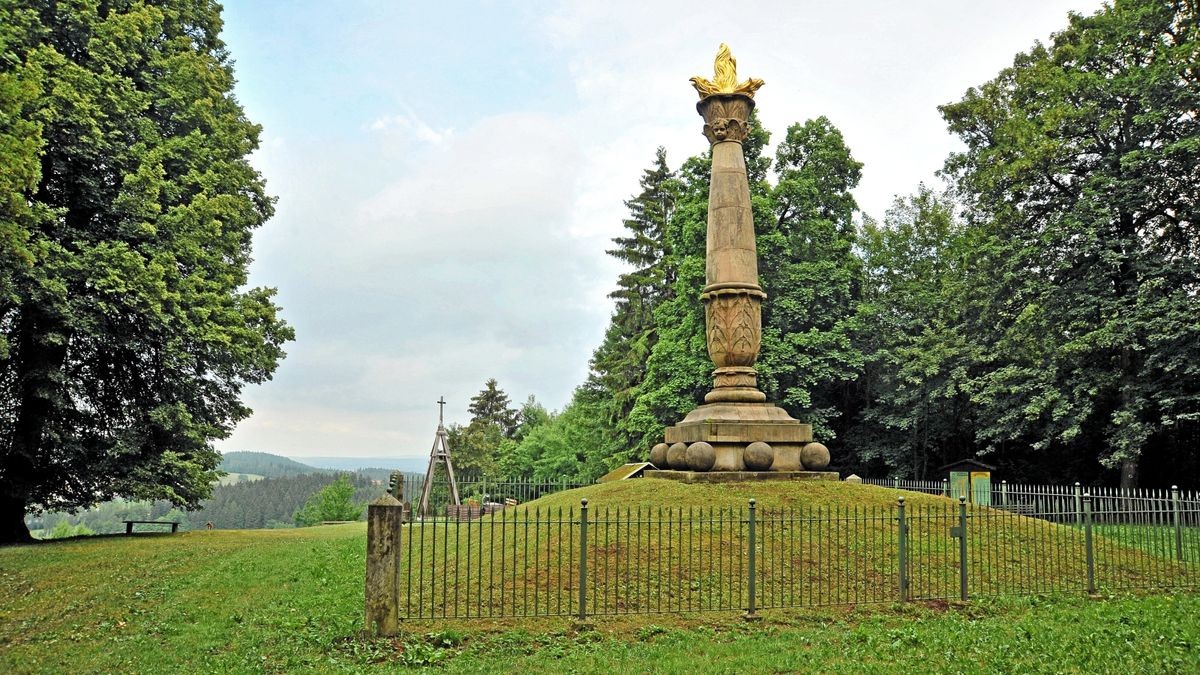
{"points": [[726, 117], [725, 103]]}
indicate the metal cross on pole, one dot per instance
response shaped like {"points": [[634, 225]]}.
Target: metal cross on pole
{"points": [[440, 453]]}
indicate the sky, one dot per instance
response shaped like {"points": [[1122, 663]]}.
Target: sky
{"points": [[450, 174]]}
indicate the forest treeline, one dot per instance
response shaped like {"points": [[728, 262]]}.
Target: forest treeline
{"points": [[267, 503], [1040, 311]]}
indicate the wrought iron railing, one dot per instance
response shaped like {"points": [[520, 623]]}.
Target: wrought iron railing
{"points": [[589, 561]]}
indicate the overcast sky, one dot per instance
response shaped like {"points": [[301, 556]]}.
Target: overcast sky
{"points": [[449, 174]]}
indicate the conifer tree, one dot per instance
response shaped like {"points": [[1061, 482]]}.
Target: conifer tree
{"points": [[619, 363]]}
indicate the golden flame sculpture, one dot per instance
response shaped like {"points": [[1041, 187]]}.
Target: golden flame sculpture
{"points": [[725, 78]]}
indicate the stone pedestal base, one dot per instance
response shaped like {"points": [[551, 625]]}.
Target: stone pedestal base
{"points": [[740, 476], [732, 428]]}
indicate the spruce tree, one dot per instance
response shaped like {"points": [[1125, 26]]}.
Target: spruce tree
{"points": [[619, 363], [492, 407]]}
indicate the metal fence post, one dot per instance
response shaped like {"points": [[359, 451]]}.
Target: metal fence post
{"points": [[1003, 493], [945, 487], [896, 482], [962, 546], [903, 545], [583, 527], [1175, 522], [1078, 504], [1087, 542], [750, 610]]}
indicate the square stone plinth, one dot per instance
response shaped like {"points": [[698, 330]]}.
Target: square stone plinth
{"points": [[738, 431], [740, 476]]}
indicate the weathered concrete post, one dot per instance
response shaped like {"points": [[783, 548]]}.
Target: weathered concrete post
{"points": [[384, 517]]}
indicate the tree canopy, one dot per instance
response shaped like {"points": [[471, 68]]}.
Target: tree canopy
{"points": [[1080, 170], [127, 205]]}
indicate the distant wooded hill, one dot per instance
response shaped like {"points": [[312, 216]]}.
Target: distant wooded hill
{"points": [[271, 502], [265, 464]]}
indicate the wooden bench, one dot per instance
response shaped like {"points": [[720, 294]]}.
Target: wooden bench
{"points": [[1019, 509], [130, 523]]}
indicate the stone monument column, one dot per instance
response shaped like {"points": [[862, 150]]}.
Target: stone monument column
{"points": [[736, 429], [732, 297]]}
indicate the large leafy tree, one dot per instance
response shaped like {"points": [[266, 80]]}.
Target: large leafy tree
{"points": [[917, 276], [811, 276], [332, 502], [126, 329], [1081, 162]]}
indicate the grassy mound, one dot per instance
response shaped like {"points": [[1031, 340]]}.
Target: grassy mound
{"points": [[657, 546]]}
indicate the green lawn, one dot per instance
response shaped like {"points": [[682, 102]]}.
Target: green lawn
{"points": [[291, 600]]}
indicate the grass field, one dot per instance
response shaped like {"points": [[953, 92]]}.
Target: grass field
{"points": [[291, 600]]}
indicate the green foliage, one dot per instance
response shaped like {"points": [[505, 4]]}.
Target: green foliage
{"points": [[126, 212], [267, 503], [491, 407], [576, 444], [109, 517], [919, 360], [811, 276], [619, 363], [1080, 173], [272, 502], [483, 446], [332, 502], [65, 529]]}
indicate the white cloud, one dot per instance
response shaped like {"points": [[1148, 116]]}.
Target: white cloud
{"points": [[408, 124]]}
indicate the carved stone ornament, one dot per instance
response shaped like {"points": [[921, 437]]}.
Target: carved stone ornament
{"points": [[726, 117], [734, 320]]}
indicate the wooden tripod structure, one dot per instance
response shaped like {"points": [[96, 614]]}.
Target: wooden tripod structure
{"points": [[440, 453]]}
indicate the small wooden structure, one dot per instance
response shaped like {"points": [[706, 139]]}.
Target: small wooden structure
{"points": [[971, 478], [440, 453], [626, 471]]}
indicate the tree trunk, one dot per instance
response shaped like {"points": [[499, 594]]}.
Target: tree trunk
{"points": [[12, 521], [1129, 473]]}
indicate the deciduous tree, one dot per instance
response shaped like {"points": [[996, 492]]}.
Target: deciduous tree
{"points": [[1081, 161], [127, 328]]}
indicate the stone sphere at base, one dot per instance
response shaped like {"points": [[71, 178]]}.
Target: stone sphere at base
{"points": [[758, 456], [677, 457], [658, 455], [701, 456], [814, 456]]}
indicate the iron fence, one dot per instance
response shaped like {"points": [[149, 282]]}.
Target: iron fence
{"points": [[489, 494], [589, 561]]}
